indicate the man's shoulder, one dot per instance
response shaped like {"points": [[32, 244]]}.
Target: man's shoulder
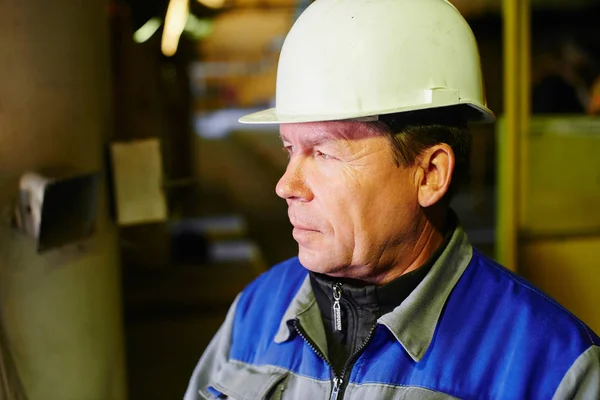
{"points": [[518, 302], [281, 281], [284, 273], [262, 305], [497, 327]]}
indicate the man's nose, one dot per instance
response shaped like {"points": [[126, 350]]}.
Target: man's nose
{"points": [[292, 185]]}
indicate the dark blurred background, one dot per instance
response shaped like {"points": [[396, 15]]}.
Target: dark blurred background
{"points": [[145, 96]]}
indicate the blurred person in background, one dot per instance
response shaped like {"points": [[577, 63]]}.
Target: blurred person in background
{"points": [[564, 74], [387, 298]]}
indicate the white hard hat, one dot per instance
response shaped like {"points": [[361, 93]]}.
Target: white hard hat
{"points": [[348, 59]]}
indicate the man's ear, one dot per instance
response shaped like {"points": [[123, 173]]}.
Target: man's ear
{"points": [[437, 166]]}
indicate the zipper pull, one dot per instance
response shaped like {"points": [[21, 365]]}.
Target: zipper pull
{"points": [[337, 384], [337, 312]]}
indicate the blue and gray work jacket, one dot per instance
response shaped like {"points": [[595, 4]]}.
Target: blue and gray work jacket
{"points": [[470, 330]]}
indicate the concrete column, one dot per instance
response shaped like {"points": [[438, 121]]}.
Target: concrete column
{"points": [[62, 310]]}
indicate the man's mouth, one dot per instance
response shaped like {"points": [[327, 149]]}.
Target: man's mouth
{"points": [[304, 228]]}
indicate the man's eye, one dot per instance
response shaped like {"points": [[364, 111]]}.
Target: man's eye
{"points": [[288, 149], [323, 155]]}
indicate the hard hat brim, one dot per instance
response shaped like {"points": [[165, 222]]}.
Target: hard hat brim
{"points": [[271, 116]]}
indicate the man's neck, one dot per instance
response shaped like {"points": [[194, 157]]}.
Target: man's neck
{"points": [[408, 255], [414, 255]]}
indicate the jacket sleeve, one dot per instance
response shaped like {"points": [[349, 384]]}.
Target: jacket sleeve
{"points": [[213, 358], [582, 380]]}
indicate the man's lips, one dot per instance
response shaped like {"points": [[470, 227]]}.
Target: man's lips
{"points": [[302, 223], [304, 228]]}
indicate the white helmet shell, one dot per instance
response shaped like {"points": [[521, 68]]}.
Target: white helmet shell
{"points": [[349, 59]]}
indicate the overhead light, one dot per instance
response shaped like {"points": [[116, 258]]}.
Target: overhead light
{"points": [[212, 3], [177, 15], [147, 30]]}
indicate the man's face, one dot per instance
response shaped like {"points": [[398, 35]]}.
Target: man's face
{"points": [[353, 209]]}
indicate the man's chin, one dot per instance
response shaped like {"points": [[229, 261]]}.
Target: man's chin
{"points": [[314, 261], [309, 259]]}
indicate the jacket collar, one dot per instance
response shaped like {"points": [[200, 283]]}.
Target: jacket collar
{"points": [[305, 309], [413, 322]]}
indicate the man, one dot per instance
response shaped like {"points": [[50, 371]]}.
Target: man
{"points": [[387, 299]]}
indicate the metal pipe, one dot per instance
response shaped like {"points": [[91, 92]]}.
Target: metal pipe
{"points": [[524, 108], [506, 215], [513, 134]]}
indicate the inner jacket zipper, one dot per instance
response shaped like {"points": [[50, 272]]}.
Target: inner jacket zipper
{"points": [[338, 380], [337, 308]]}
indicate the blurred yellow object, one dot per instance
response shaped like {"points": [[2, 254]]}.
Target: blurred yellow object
{"points": [[594, 106], [175, 20], [558, 231], [563, 178], [566, 268]]}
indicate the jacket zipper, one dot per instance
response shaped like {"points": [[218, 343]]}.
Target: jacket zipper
{"points": [[337, 309], [338, 381], [352, 360]]}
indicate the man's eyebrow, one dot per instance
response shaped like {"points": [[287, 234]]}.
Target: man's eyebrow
{"points": [[313, 141]]}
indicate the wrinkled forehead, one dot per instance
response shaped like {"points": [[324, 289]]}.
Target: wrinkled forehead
{"points": [[317, 132]]}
